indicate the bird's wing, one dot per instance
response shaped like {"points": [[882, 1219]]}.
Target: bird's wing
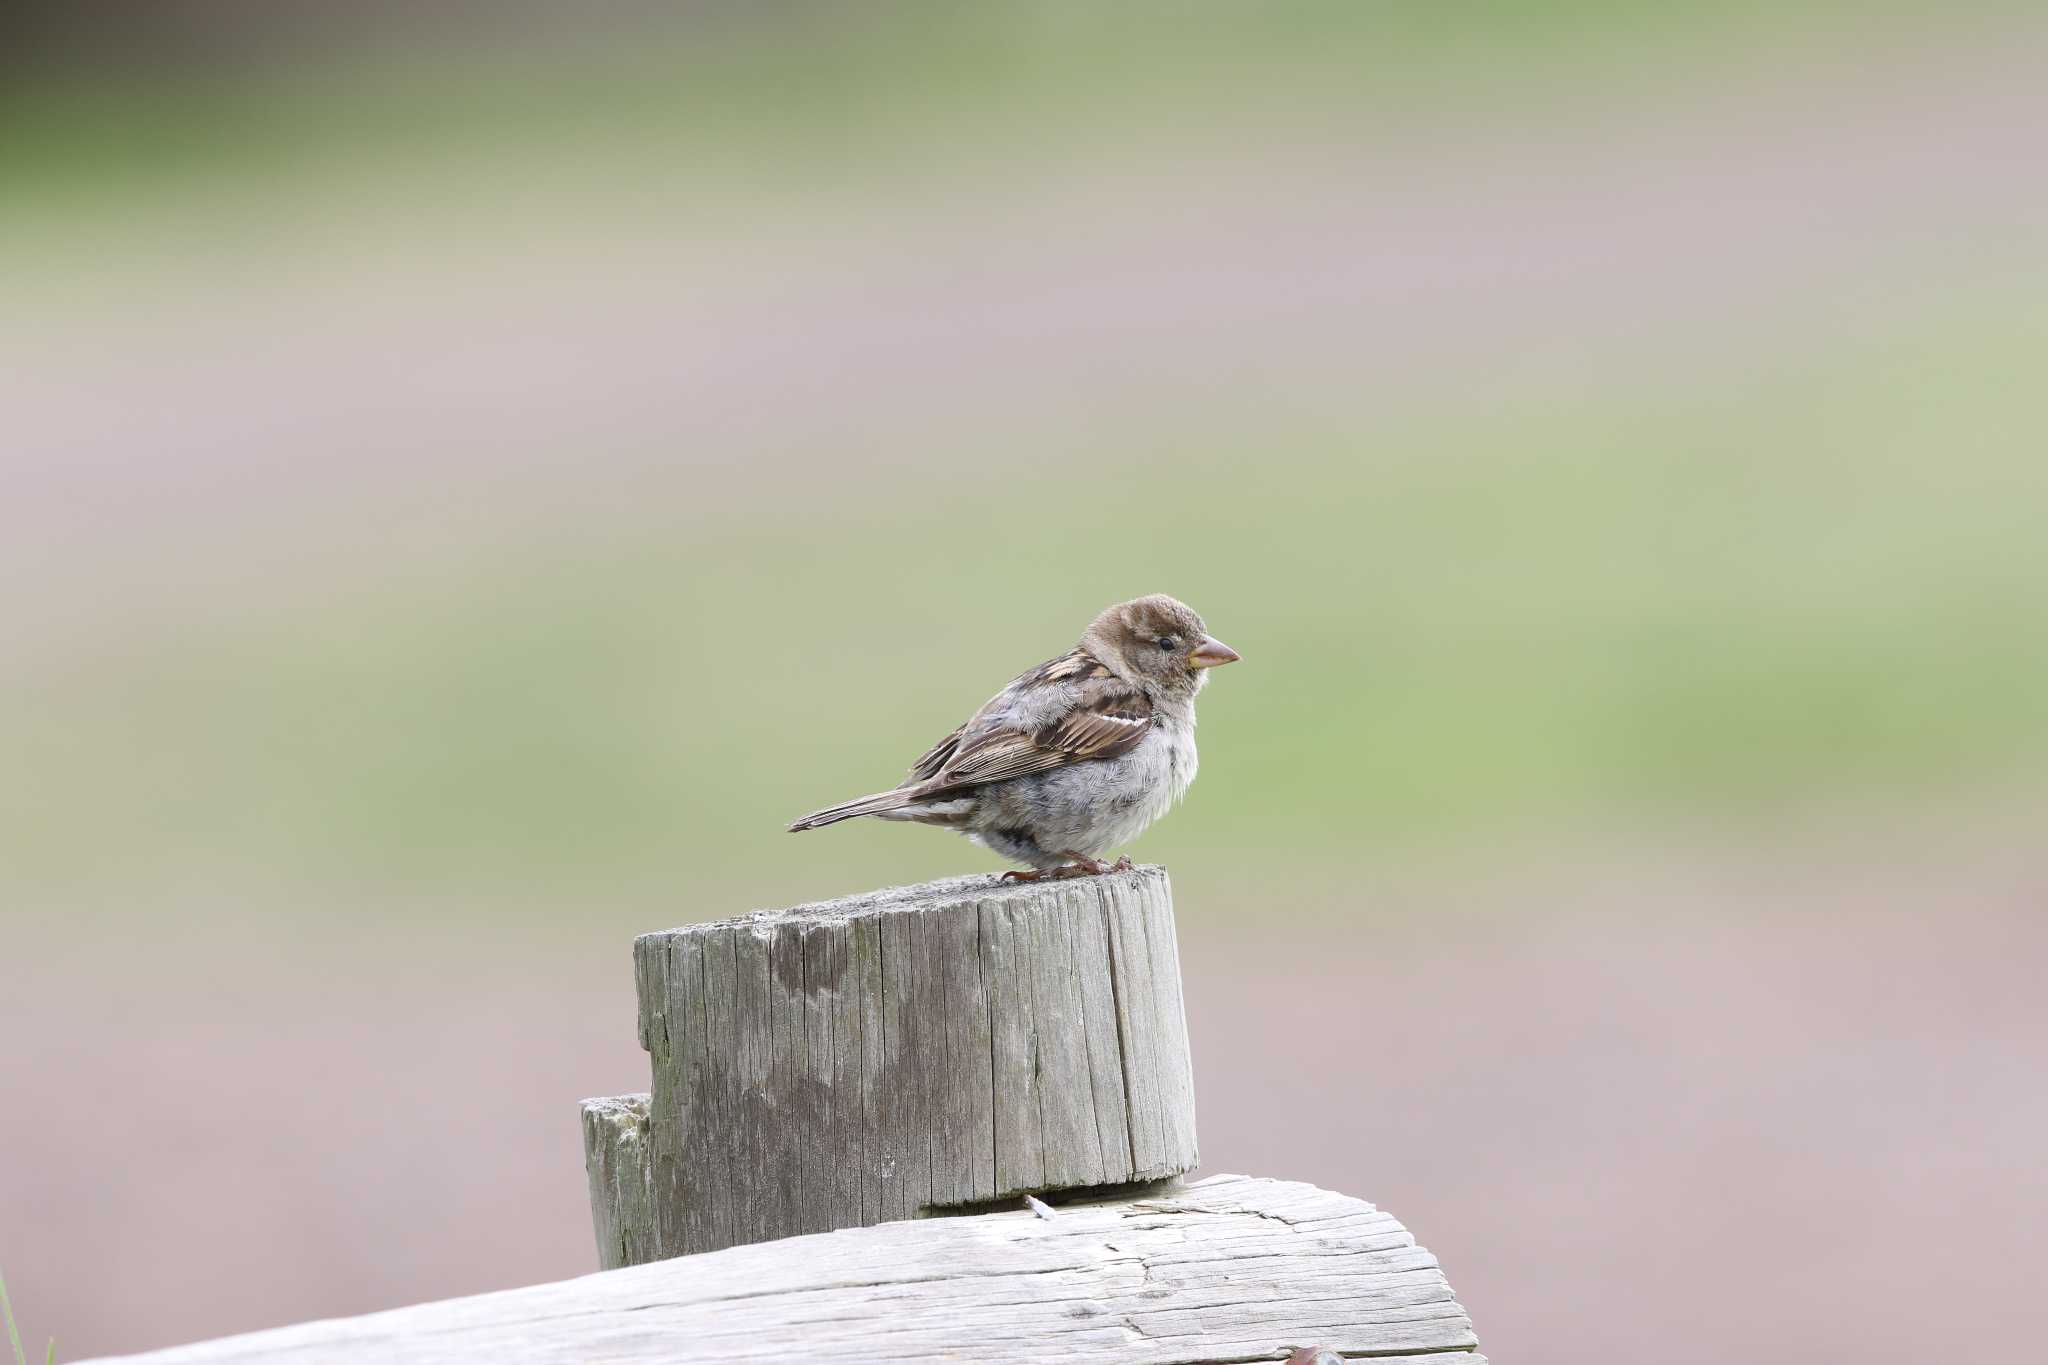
{"points": [[935, 757], [1070, 710], [1029, 692]]}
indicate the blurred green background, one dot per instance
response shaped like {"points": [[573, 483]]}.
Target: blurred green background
{"points": [[484, 469]]}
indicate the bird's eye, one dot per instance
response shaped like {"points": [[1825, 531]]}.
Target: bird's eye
{"points": [[1169, 643]]}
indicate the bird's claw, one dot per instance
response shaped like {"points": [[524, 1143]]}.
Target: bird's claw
{"points": [[1082, 866], [1085, 866]]}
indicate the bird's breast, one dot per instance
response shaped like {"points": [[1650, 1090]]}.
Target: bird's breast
{"points": [[1178, 743]]}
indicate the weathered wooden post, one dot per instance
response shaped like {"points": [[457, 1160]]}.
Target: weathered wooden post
{"points": [[940, 1048], [885, 1056]]}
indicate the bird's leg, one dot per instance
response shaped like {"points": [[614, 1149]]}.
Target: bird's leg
{"points": [[1123, 864]]}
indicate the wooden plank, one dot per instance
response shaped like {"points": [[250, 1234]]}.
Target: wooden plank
{"points": [[902, 1167], [1173, 1071], [1006, 959], [1066, 1118], [1229, 1269], [1152, 1034], [1089, 941], [923, 1048]]}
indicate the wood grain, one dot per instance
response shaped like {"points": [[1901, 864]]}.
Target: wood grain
{"points": [[873, 1058], [1229, 1269]]}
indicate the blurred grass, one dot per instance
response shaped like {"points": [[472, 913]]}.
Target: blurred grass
{"points": [[1818, 577], [14, 1332], [1813, 576]]}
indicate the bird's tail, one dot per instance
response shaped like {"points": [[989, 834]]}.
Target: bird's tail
{"points": [[865, 805]]}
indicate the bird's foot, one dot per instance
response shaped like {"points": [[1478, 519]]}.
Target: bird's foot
{"points": [[1082, 866], [1058, 874], [1085, 866]]}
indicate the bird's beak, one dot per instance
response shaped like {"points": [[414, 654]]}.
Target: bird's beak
{"points": [[1212, 652]]}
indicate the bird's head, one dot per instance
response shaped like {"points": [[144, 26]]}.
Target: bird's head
{"points": [[1157, 643]]}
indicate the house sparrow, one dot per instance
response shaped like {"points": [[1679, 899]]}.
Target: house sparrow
{"points": [[1076, 756]]}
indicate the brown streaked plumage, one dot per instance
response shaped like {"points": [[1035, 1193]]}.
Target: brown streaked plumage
{"points": [[1073, 757]]}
